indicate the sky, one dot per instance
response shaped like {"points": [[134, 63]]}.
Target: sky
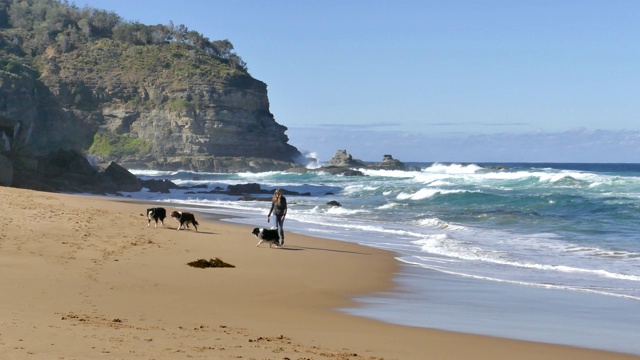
{"points": [[434, 81]]}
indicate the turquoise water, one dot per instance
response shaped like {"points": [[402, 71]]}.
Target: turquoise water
{"points": [[567, 232]]}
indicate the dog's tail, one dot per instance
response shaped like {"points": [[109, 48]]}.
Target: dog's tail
{"points": [[195, 223]]}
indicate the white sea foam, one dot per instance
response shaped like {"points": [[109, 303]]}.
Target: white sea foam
{"points": [[440, 183], [418, 195], [425, 193], [340, 210], [260, 175], [452, 169], [390, 205], [442, 244], [152, 172], [437, 223], [390, 174], [358, 188]]}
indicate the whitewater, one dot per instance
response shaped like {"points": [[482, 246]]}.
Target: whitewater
{"points": [[542, 252]]}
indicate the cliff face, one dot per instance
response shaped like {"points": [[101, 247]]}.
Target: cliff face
{"points": [[18, 105], [164, 105], [178, 113], [175, 114]]}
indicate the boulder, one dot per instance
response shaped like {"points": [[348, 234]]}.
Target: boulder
{"points": [[123, 179], [244, 189], [252, 188], [389, 163], [65, 162], [254, 198], [344, 159], [162, 186]]}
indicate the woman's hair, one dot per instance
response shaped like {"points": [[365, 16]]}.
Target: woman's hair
{"points": [[276, 195]]}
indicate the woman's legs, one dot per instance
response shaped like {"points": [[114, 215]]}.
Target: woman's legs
{"points": [[280, 227]]}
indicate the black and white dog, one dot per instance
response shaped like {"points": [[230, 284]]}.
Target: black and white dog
{"points": [[269, 235], [184, 218], [156, 214]]}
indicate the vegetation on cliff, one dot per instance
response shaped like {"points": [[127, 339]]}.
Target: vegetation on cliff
{"points": [[36, 26], [88, 46], [112, 145]]}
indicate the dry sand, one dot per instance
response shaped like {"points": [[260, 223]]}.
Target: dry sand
{"points": [[84, 278]]}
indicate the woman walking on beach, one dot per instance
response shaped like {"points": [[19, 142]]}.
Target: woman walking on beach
{"points": [[279, 208]]}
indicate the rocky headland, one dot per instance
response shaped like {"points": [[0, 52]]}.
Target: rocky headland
{"points": [[143, 96]]}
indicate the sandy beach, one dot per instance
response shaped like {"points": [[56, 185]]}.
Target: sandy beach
{"points": [[84, 277]]}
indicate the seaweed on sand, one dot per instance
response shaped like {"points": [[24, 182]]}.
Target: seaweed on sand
{"points": [[216, 263]]}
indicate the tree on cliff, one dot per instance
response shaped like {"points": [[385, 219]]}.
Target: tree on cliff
{"points": [[42, 23]]}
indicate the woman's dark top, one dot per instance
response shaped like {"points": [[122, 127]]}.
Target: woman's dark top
{"points": [[279, 207]]}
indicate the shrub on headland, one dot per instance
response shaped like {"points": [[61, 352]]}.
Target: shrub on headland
{"points": [[112, 145]]}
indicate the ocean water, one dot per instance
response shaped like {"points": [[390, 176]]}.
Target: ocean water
{"points": [[542, 252]]}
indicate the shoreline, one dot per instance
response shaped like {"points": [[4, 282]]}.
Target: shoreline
{"points": [[84, 277]]}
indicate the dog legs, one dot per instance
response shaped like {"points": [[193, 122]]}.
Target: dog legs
{"points": [[270, 243], [186, 226]]}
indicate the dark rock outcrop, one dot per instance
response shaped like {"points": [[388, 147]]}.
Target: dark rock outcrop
{"points": [[60, 171], [389, 163], [69, 171], [344, 164], [246, 190], [243, 189], [6, 171], [161, 186], [123, 179], [344, 159], [63, 163], [254, 198]]}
